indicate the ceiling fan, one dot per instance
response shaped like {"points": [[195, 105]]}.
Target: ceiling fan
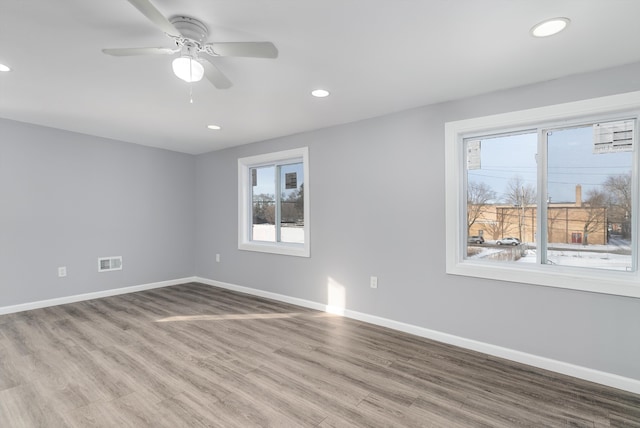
{"points": [[189, 36]]}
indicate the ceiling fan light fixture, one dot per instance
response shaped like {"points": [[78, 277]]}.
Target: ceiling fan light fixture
{"points": [[188, 69]]}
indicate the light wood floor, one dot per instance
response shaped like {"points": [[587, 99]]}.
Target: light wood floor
{"points": [[194, 356]]}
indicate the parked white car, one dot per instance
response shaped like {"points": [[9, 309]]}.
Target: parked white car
{"points": [[508, 241]]}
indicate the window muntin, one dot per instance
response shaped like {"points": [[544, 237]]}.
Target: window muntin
{"points": [[274, 203], [553, 117]]}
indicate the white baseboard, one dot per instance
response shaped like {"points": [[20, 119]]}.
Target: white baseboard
{"points": [[585, 373], [260, 293], [89, 296], [604, 378]]}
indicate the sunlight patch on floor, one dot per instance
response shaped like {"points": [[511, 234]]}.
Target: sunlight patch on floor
{"points": [[336, 297], [226, 317]]}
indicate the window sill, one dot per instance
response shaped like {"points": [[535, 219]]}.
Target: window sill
{"points": [[296, 250], [590, 280]]}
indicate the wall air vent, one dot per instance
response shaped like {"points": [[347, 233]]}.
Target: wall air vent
{"points": [[106, 264]]}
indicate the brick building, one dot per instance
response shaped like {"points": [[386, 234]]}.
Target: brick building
{"points": [[577, 222]]}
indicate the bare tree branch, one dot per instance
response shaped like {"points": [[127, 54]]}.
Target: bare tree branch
{"points": [[479, 195], [595, 204]]}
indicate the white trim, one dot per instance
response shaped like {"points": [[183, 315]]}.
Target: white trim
{"points": [[592, 280], [90, 296], [580, 372], [283, 248], [260, 293], [244, 207]]}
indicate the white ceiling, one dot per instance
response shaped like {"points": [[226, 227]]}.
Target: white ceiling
{"points": [[375, 56]]}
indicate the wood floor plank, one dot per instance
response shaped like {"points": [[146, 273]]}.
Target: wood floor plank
{"points": [[23, 407], [192, 355], [324, 386], [414, 416], [198, 410]]}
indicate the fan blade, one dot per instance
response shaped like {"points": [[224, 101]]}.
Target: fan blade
{"points": [[214, 75], [139, 51], [154, 15], [245, 49]]}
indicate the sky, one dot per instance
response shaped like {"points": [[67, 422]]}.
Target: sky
{"points": [[571, 161], [265, 179]]}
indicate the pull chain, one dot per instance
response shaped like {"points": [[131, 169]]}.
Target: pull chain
{"points": [[191, 81]]}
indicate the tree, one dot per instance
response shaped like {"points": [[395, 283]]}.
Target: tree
{"points": [[595, 205], [618, 188], [520, 195], [293, 206], [299, 201], [479, 195], [264, 209]]}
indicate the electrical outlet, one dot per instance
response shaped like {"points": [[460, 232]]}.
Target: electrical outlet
{"points": [[62, 271], [374, 282], [218, 258]]}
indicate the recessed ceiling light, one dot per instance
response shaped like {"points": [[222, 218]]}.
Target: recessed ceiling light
{"points": [[320, 93], [4, 68], [214, 127], [549, 27]]}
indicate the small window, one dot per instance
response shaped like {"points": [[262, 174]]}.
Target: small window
{"points": [[547, 196], [274, 203]]}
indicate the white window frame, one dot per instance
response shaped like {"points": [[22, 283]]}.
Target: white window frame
{"points": [[245, 202], [592, 280]]}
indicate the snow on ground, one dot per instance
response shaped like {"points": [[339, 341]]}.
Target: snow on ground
{"points": [[589, 259], [267, 232], [592, 256]]}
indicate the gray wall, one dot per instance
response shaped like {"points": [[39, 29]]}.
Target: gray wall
{"points": [[68, 199], [377, 208]]}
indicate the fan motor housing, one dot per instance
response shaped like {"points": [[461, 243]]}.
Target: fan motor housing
{"points": [[190, 28]]}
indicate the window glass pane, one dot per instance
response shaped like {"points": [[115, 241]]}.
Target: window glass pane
{"points": [[292, 203], [501, 197], [589, 198], [263, 207]]}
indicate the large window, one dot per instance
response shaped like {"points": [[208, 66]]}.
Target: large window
{"points": [[274, 203], [547, 196]]}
